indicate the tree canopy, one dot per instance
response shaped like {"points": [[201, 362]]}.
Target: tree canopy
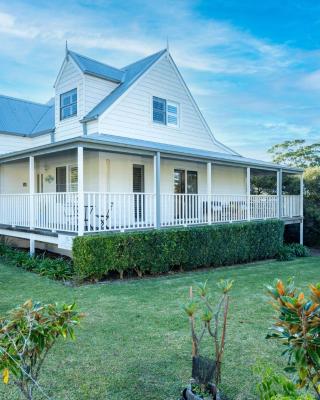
{"points": [[296, 153]]}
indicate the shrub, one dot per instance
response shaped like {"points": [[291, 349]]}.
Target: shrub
{"points": [[291, 251], [27, 333], [297, 328], [56, 268], [162, 250], [275, 386], [286, 253], [299, 250]]}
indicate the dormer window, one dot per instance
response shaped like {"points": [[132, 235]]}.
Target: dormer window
{"points": [[68, 104], [165, 112]]}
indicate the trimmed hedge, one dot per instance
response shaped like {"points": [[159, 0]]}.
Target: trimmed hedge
{"points": [[159, 251]]}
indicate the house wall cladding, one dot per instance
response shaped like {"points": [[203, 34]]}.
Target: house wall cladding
{"points": [[113, 172], [10, 143], [70, 78], [95, 90], [132, 115]]}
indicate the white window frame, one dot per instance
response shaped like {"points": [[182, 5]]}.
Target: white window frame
{"points": [[168, 102], [61, 106], [68, 180]]}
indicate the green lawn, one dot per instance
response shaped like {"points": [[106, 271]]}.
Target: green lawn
{"points": [[134, 343]]}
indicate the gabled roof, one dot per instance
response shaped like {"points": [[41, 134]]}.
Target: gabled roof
{"points": [[96, 68], [25, 118], [131, 73]]}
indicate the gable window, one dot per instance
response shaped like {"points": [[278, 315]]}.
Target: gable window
{"points": [[68, 104], [159, 110], [172, 113], [165, 112]]}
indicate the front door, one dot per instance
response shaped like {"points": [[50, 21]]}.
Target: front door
{"points": [[138, 187]]}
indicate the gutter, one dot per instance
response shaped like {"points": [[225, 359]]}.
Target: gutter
{"points": [[27, 135]]}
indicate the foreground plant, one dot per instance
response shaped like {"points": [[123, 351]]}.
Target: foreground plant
{"points": [[297, 327], [211, 319], [27, 334], [275, 386]]}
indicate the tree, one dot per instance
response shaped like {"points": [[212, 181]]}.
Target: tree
{"points": [[296, 153], [263, 184], [27, 334], [212, 319]]}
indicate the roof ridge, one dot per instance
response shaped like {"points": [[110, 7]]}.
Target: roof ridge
{"points": [[23, 100], [131, 76], [41, 118], [93, 59]]}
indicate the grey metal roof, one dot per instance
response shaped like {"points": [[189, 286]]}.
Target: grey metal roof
{"points": [[25, 118], [96, 68], [105, 142], [181, 150], [132, 73]]}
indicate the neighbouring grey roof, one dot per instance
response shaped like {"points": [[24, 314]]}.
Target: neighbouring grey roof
{"points": [[131, 73], [25, 118], [185, 151], [96, 68]]}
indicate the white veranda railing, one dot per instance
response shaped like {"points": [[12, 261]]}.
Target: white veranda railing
{"points": [[122, 211]]}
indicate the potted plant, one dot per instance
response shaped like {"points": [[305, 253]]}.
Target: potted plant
{"points": [[206, 372]]}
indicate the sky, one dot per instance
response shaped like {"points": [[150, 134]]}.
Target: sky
{"points": [[252, 66]]}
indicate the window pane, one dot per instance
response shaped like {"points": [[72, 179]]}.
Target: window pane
{"points": [[172, 116], [192, 182], [179, 181], [172, 109], [172, 119], [159, 110], [159, 117], [66, 112], [68, 104], [159, 104], [61, 179], [73, 179], [66, 100]]}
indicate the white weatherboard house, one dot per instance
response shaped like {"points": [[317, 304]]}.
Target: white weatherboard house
{"points": [[122, 149]]}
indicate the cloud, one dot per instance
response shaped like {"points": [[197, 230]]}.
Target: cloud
{"points": [[214, 46], [311, 81], [253, 91], [288, 129], [9, 26]]}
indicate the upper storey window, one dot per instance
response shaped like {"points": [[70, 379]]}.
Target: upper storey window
{"points": [[68, 104], [165, 112], [159, 110]]}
